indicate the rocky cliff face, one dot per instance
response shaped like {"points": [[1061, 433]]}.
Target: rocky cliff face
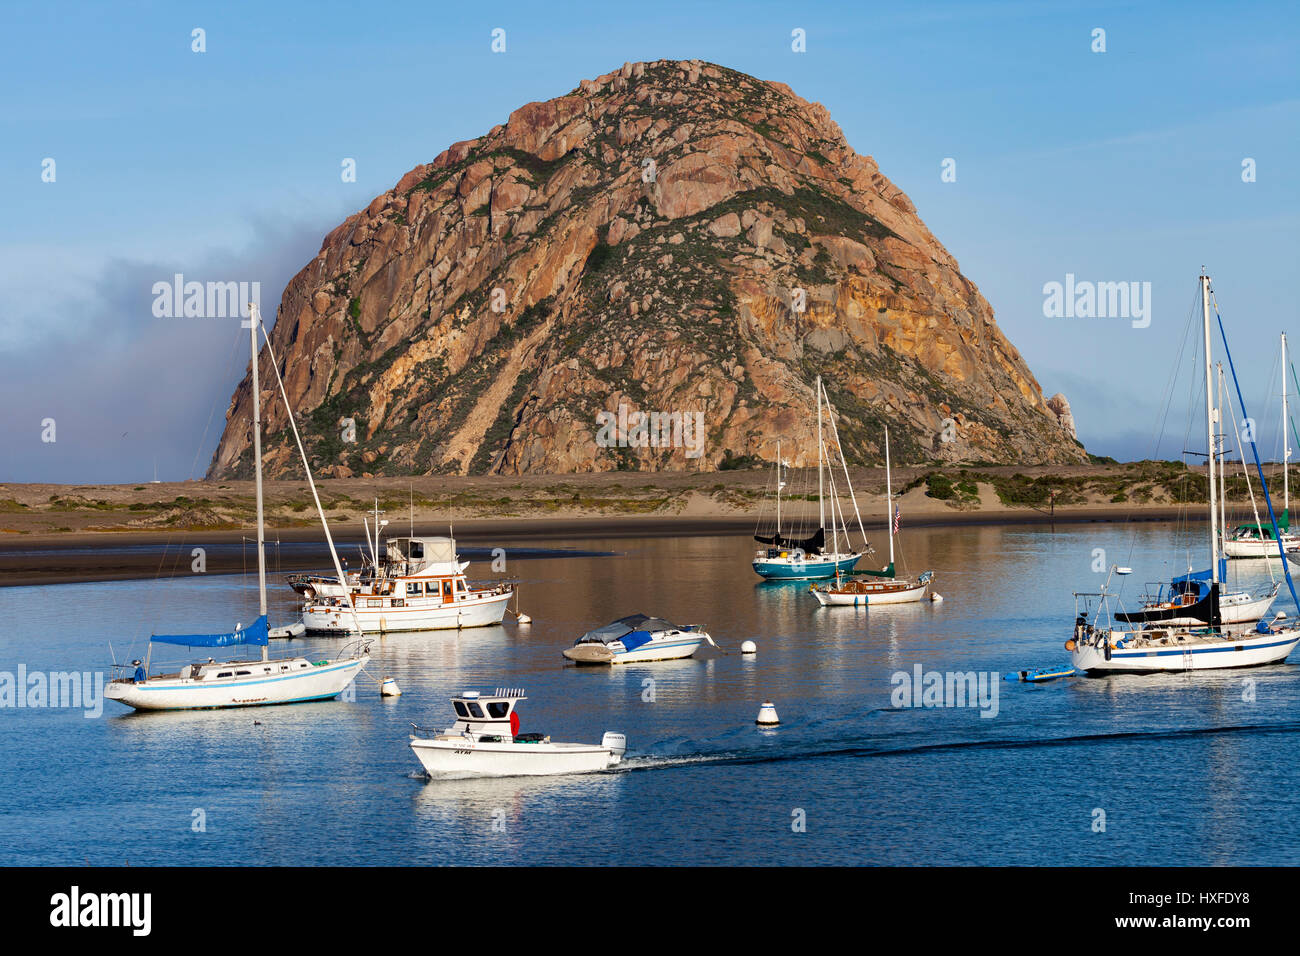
{"points": [[672, 237]]}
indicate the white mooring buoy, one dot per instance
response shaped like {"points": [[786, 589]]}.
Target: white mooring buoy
{"points": [[523, 619], [767, 715], [936, 598], [388, 688], [748, 647]]}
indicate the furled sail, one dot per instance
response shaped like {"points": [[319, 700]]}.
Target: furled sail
{"points": [[813, 544], [255, 633]]}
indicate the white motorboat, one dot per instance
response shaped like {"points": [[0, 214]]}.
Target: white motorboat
{"points": [[883, 586], [637, 639], [808, 557], [485, 741], [243, 682], [1150, 640]]}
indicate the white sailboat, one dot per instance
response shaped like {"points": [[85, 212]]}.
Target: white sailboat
{"points": [[1208, 643], [1256, 540], [244, 682], [783, 558], [886, 588]]}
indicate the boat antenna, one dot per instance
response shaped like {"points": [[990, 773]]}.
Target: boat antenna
{"points": [[311, 482], [257, 469]]}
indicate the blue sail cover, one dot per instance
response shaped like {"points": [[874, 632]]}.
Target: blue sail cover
{"points": [[1201, 578], [255, 633]]}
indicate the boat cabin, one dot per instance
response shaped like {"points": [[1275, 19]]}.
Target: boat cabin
{"points": [[490, 716]]}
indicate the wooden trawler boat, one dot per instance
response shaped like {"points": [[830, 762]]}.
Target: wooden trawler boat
{"points": [[418, 585], [485, 741]]}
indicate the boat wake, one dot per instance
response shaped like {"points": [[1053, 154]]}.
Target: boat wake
{"points": [[891, 747]]}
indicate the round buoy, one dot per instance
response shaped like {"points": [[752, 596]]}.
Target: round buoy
{"points": [[748, 647], [388, 688], [767, 715], [936, 598], [523, 619]]}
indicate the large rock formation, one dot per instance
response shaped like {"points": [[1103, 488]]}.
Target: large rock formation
{"points": [[671, 237]]}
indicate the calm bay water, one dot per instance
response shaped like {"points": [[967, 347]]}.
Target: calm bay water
{"points": [[1187, 769]]}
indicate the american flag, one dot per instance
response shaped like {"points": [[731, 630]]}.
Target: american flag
{"points": [[897, 518]]}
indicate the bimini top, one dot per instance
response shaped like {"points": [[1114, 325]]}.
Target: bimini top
{"points": [[422, 551], [635, 629]]}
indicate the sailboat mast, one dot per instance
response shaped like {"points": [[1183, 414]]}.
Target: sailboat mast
{"points": [[889, 498], [778, 486], [257, 471], [1223, 457], [1286, 445], [821, 504], [1209, 434]]}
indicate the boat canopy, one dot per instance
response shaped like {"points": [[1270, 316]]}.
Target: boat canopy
{"points": [[633, 630], [813, 544], [255, 633], [425, 550]]}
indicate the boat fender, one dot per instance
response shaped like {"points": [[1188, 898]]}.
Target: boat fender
{"points": [[1069, 645], [1106, 649]]}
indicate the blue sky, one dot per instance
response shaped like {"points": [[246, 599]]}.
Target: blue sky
{"points": [[1115, 166]]}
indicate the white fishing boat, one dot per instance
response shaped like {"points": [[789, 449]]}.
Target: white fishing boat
{"points": [[419, 586], [1114, 643], [484, 741], [637, 639], [876, 587], [1256, 540], [807, 557], [243, 682]]}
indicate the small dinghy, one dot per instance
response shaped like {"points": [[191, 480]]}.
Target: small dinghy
{"points": [[485, 742], [287, 632], [1041, 674], [636, 639]]}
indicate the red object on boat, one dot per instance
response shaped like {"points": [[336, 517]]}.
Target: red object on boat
{"points": [[514, 723]]}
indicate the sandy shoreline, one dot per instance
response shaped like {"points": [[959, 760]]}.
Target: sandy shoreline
{"points": [[108, 555], [66, 533]]}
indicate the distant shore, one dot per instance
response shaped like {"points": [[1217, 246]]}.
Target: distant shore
{"points": [[61, 533]]}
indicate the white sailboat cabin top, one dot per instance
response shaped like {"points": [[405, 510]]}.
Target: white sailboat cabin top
{"points": [[424, 557]]}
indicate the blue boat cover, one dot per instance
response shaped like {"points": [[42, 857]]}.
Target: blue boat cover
{"points": [[634, 639], [255, 633]]}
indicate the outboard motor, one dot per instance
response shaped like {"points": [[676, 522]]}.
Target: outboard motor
{"points": [[616, 743]]}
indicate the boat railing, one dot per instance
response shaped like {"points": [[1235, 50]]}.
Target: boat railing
{"points": [[354, 648]]}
